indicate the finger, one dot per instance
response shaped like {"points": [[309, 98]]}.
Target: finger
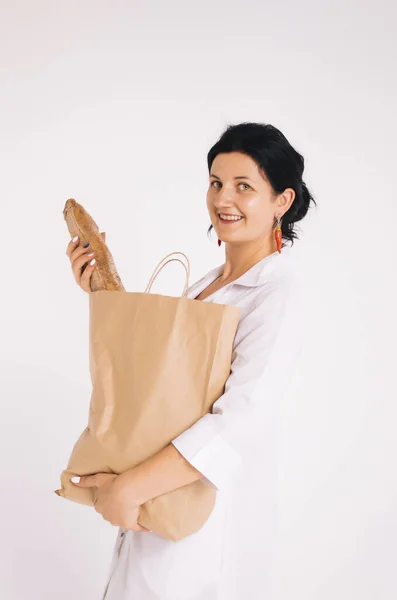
{"points": [[89, 258], [78, 264], [85, 482], [97, 480], [72, 245], [82, 248], [85, 279]]}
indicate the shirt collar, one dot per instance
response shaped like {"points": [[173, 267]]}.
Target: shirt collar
{"points": [[255, 276]]}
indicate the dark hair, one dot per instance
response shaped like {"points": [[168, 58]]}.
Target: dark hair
{"points": [[276, 158]]}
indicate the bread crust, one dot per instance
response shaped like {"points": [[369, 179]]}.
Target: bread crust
{"points": [[79, 222]]}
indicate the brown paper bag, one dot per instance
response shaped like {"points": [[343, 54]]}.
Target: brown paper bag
{"points": [[157, 365]]}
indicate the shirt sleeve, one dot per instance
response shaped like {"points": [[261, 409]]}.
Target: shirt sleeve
{"points": [[266, 345]]}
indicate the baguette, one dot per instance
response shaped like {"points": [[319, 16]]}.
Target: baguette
{"points": [[79, 222]]}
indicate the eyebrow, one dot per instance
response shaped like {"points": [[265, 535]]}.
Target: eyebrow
{"points": [[238, 177]]}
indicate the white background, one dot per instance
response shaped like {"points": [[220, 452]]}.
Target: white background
{"points": [[117, 104]]}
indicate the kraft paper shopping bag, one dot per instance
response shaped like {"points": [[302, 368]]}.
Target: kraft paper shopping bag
{"points": [[157, 365]]}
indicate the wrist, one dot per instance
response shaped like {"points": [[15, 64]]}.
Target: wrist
{"points": [[128, 484]]}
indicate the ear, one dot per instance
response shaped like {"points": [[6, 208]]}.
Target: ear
{"points": [[103, 234]]}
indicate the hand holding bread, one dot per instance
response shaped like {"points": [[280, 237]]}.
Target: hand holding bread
{"points": [[89, 245], [81, 258]]}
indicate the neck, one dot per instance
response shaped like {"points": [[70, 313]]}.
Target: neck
{"points": [[241, 257]]}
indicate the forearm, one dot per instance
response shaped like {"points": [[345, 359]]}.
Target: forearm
{"points": [[163, 472]]}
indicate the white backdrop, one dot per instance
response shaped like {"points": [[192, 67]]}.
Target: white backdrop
{"points": [[117, 104]]}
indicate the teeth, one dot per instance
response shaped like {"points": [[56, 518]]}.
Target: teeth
{"points": [[229, 217]]}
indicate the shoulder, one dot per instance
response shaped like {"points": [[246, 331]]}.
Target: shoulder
{"points": [[283, 287], [275, 307], [279, 286]]}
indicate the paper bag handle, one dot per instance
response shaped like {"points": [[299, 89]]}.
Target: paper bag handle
{"points": [[159, 268]]}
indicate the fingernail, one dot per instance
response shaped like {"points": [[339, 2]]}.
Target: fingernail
{"points": [[92, 262], [75, 479], [91, 254], [86, 245], [75, 238]]}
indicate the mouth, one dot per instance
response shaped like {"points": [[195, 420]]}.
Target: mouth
{"points": [[229, 221]]}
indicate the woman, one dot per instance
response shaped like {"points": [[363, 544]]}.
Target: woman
{"points": [[255, 187]]}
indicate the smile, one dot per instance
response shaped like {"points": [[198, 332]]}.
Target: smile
{"points": [[229, 218]]}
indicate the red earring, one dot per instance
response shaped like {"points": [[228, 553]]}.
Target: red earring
{"points": [[219, 242], [278, 234]]}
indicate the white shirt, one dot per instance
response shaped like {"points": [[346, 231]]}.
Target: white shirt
{"points": [[265, 347]]}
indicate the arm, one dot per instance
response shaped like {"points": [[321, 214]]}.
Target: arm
{"points": [[267, 341], [163, 472]]}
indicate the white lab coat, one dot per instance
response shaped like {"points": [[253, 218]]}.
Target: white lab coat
{"points": [[230, 450]]}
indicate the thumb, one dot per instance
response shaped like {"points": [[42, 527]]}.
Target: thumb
{"points": [[103, 234], [84, 482]]}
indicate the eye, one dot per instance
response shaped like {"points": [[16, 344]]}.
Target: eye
{"points": [[212, 184]]}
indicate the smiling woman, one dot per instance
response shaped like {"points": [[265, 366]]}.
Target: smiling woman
{"points": [[255, 184], [270, 190]]}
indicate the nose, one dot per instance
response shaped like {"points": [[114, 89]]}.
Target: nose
{"points": [[224, 199]]}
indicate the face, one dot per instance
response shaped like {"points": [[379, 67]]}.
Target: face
{"points": [[237, 187]]}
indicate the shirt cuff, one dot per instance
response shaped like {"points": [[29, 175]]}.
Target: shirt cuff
{"points": [[217, 460]]}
